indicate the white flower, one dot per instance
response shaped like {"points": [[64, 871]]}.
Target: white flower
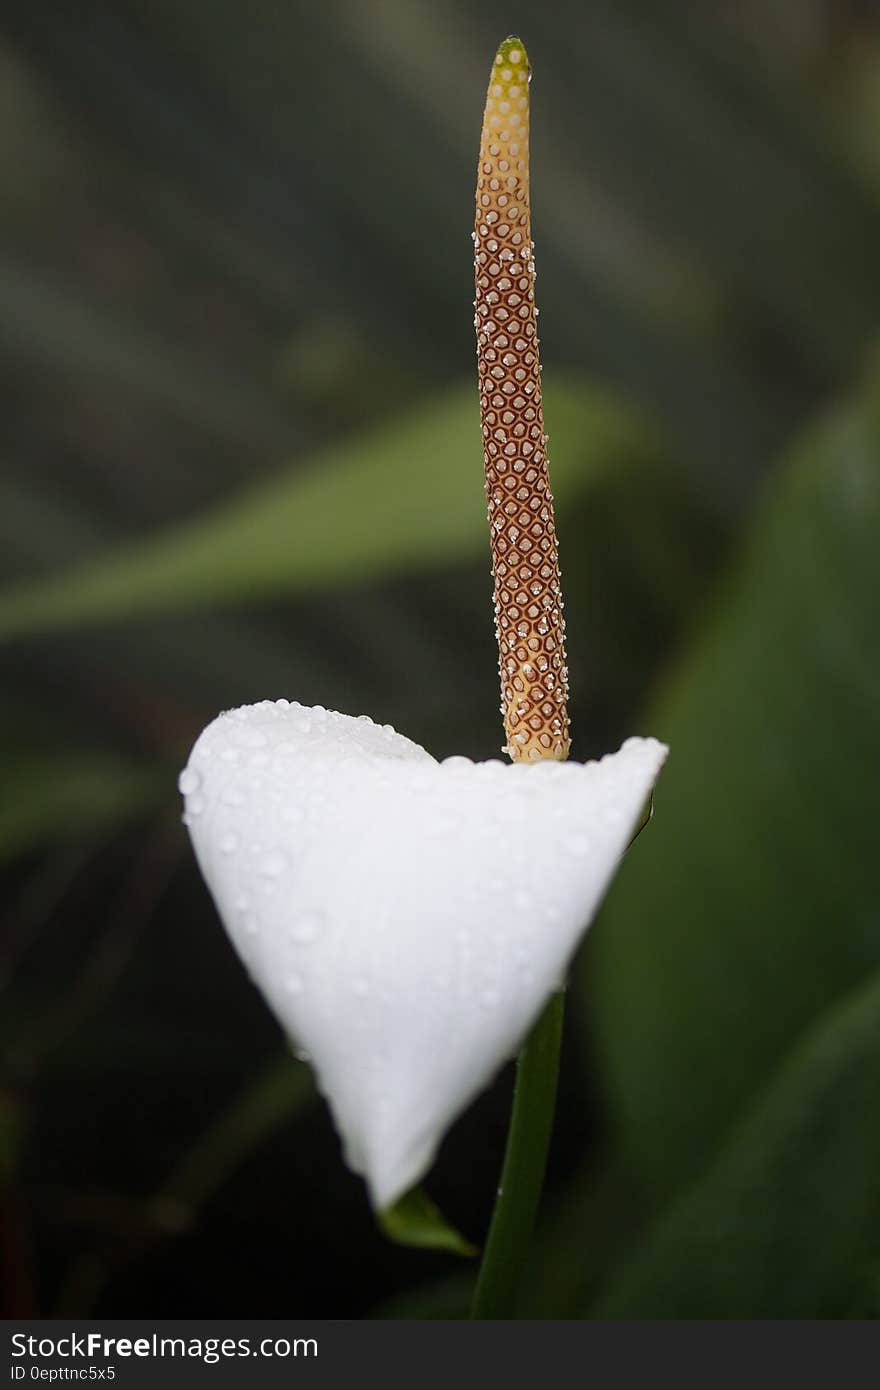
{"points": [[405, 919]]}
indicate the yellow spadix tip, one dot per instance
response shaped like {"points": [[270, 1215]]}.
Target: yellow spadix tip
{"points": [[512, 55]]}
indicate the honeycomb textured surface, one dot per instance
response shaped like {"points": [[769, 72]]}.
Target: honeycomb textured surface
{"points": [[525, 563]]}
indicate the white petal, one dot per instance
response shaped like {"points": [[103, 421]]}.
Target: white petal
{"points": [[405, 919]]}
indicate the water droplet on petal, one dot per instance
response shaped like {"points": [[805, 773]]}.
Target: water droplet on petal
{"points": [[196, 805], [229, 843], [273, 864], [306, 927], [189, 781], [252, 738]]}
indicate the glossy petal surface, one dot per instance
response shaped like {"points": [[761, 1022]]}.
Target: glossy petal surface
{"points": [[405, 919]]}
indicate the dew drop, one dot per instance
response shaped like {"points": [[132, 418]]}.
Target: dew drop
{"points": [[229, 843], [196, 805], [306, 927], [189, 781], [252, 738], [273, 864]]}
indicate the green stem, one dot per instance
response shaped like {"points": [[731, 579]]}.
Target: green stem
{"points": [[525, 1159]]}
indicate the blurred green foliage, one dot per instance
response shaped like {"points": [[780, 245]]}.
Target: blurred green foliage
{"points": [[404, 498], [785, 1223], [752, 903], [239, 461], [51, 793]]}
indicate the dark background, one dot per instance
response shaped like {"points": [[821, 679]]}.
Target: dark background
{"points": [[235, 245]]}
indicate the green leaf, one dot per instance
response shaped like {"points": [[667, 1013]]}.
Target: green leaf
{"points": [[416, 1220], [786, 1223], [751, 904], [408, 496]]}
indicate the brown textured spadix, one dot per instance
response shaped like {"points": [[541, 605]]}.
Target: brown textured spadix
{"points": [[525, 565]]}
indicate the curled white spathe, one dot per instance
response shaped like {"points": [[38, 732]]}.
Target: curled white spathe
{"points": [[405, 919]]}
